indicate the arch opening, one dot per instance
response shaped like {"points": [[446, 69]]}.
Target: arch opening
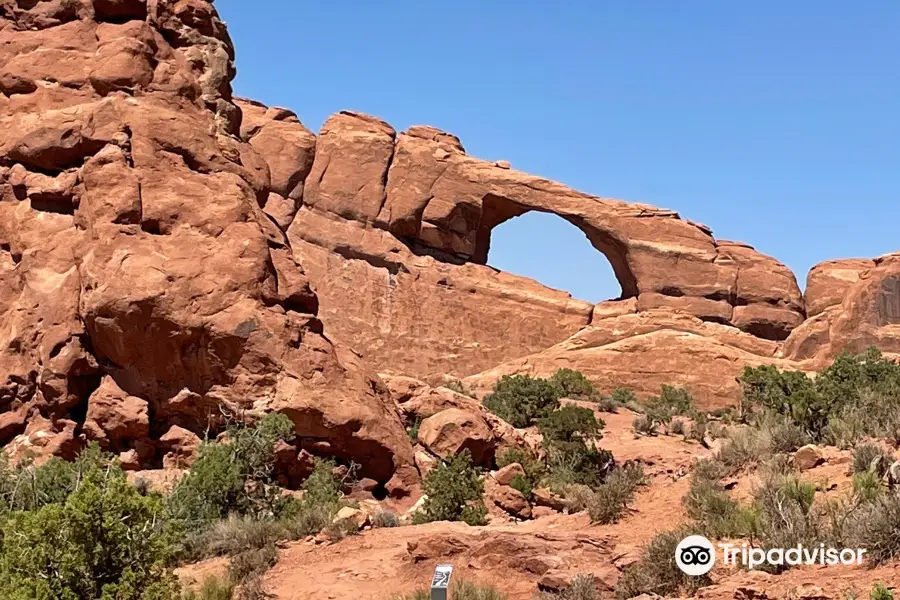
{"points": [[557, 251]]}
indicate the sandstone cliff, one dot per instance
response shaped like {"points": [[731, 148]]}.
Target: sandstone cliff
{"points": [[172, 258], [141, 284]]}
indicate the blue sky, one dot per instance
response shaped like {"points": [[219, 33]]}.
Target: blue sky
{"points": [[775, 123]]}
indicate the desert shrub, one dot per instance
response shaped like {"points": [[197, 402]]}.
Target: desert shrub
{"points": [[785, 518], [419, 594], [643, 425], [583, 587], [677, 427], [455, 492], [656, 571], [321, 500], [670, 403], [871, 457], [741, 446], [573, 384], [468, 590], [711, 508], [853, 397], [577, 497], [623, 396], [250, 563], [233, 477], [534, 468], [879, 592], [213, 588], [28, 487], [385, 518], [874, 526], [782, 435], [607, 404], [612, 497], [101, 540], [521, 400], [459, 387], [866, 486], [570, 424], [234, 535], [572, 457], [521, 483], [412, 429], [576, 463]]}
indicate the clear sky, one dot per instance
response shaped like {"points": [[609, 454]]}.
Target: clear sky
{"points": [[776, 123]]}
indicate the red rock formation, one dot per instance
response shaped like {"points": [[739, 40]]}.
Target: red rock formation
{"points": [[134, 249], [396, 230]]}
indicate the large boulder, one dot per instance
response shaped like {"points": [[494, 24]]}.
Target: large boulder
{"points": [[453, 430], [114, 418]]}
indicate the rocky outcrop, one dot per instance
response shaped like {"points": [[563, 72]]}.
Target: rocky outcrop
{"points": [[141, 281], [861, 308]]}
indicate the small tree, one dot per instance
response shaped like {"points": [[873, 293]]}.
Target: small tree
{"points": [[570, 424], [104, 541], [233, 476], [454, 492], [521, 400], [671, 402], [573, 384]]}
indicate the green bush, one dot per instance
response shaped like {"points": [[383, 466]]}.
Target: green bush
{"points": [[575, 463], [711, 508], [866, 486], [855, 396], [879, 592], [535, 469], [521, 483], [459, 590], [412, 429], [570, 424], [656, 571], [467, 590], [670, 403], [521, 400], [573, 384], [454, 492], [233, 477], [102, 541], [623, 396]]}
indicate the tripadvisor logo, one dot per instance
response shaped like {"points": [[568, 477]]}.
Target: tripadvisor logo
{"points": [[695, 555]]}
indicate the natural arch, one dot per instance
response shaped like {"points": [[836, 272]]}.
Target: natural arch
{"points": [[497, 210]]}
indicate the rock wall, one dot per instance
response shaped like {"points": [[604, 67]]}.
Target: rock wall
{"points": [[143, 290]]}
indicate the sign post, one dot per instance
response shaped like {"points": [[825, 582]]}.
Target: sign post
{"points": [[441, 582]]}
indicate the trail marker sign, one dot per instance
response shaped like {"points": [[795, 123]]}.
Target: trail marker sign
{"points": [[441, 582]]}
